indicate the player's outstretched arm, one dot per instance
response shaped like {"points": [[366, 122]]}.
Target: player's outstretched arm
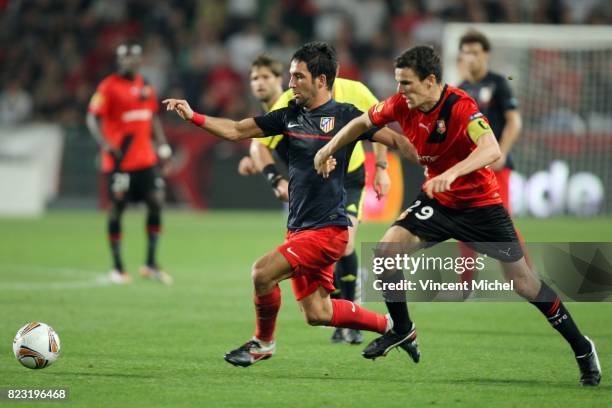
{"points": [[394, 140], [349, 133], [486, 152], [221, 127], [264, 163]]}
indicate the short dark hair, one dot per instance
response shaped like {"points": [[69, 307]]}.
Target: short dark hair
{"points": [[320, 58], [423, 60], [474, 36], [272, 64]]}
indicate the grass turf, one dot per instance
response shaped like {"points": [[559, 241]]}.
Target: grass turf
{"points": [[150, 345]]}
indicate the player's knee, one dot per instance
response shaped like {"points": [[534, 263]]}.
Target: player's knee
{"points": [[524, 282], [258, 273], [316, 317], [116, 210], [154, 206], [525, 287], [386, 249]]}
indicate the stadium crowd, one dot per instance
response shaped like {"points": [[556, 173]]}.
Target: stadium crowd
{"points": [[53, 52]]}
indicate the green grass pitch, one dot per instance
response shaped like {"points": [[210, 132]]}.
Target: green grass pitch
{"points": [[150, 345]]}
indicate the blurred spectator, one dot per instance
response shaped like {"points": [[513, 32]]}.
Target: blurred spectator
{"points": [[155, 62], [15, 104], [245, 45], [62, 48], [378, 79], [369, 16], [228, 87], [288, 42]]}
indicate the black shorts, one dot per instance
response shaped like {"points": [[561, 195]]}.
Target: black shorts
{"points": [[488, 230], [354, 184], [134, 186]]}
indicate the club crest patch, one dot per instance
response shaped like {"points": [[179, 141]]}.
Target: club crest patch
{"points": [[327, 124], [441, 126]]}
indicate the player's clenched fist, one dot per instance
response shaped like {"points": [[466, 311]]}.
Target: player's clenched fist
{"points": [[439, 184], [180, 106], [324, 163]]}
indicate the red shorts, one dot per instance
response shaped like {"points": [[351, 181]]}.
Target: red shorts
{"points": [[312, 255], [503, 180]]}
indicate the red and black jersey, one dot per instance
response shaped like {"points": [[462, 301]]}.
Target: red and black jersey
{"points": [[126, 108], [441, 139]]}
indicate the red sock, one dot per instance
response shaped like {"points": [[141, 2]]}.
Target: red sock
{"points": [[266, 309], [352, 316]]}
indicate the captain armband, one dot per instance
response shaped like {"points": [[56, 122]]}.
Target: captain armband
{"points": [[477, 128]]}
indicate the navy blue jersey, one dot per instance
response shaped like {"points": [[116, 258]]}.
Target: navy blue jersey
{"points": [[314, 202], [494, 97]]}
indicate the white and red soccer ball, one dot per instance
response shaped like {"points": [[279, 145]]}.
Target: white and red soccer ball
{"points": [[36, 345]]}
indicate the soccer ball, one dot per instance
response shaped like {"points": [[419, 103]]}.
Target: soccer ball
{"points": [[36, 345]]}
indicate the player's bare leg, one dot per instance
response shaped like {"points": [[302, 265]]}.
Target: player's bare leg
{"points": [[403, 334], [267, 272], [346, 275], [321, 310], [539, 294], [151, 269]]}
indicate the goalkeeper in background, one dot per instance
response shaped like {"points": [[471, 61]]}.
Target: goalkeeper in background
{"points": [[495, 100], [266, 85]]}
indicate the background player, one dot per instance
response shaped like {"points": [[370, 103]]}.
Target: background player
{"points": [[495, 100], [460, 197], [266, 80], [266, 86], [122, 118], [317, 221]]}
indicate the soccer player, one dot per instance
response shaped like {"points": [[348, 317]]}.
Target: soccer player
{"points": [[317, 226], [122, 119], [495, 100], [266, 80], [266, 85], [460, 197]]}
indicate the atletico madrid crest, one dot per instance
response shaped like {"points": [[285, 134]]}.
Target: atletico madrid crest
{"points": [[441, 126], [327, 124]]}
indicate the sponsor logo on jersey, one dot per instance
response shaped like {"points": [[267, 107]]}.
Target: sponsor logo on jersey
{"points": [[485, 95], [440, 126], [136, 115], [327, 124], [428, 159]]}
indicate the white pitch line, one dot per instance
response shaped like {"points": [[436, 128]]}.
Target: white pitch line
{"points": [[96, 281]]}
